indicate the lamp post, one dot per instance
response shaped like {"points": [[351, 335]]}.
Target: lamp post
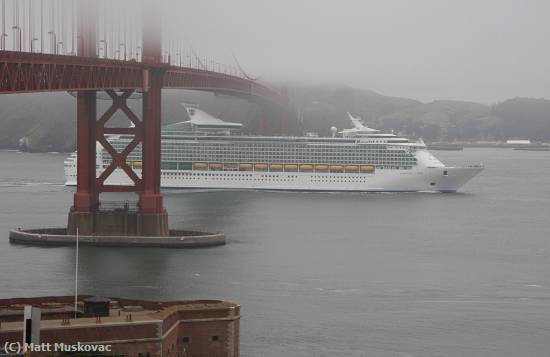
{"points": [[3, 39], [17, 36], [79, 44], [32, 44], [123, 44], [60, 43], [138, 52], [54, 43], [105, 54]]}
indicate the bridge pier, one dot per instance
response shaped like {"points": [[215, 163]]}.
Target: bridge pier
{"points": [[86, 215], [150, 219]]}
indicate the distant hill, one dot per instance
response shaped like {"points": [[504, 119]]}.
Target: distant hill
{"points": [[524, 118], [444, 120], [441, 120], [48, 120], [318, 108]]}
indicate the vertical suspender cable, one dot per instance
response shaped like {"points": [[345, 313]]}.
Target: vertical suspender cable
{"points": [[62, 25], [15, 24], [131, 35], [3, 39], [73, 19], [42, 26], [124, 34], [115, 37], [23, 39], [106, 37], [119, 33], [113, 33], [52, 29], [31, 27]]}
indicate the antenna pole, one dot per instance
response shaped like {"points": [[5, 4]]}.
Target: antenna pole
{"points": [[76, 277]]}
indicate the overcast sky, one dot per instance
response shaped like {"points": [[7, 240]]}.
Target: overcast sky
{"points": [[479, 50]]}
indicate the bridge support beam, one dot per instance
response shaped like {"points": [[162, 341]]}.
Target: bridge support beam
{"points": [[86, 197], [152, 213]]}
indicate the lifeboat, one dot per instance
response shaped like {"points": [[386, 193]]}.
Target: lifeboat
{"points": [[291, 167], [199, 166], [275, 167], [136, 164], [321, 168], [336, 168], [367, 169], [260, 167], [215, 166], [245, 167], [306, 168], [351, 168], [230, 167]]}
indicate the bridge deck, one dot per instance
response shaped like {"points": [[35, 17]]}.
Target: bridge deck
{"points": [[22, 72]]}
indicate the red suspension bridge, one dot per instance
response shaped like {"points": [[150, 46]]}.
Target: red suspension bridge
{"points": [[86, 46]]}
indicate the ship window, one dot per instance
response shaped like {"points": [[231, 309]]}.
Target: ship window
{"points": [[432, 183], [186, 339], [215, 338], [445, 173]]}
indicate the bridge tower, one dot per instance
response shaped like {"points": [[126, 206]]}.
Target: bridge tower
{"points": [[86, 214]]}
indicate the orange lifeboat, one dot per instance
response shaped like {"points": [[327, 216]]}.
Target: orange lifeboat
{"points": [[367, 169]]}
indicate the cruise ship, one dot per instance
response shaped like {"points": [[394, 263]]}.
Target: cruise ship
{"points": [[206, 152]]}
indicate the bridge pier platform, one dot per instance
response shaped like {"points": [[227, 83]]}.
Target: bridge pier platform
{"points": [[60, 237], [118, 222]]}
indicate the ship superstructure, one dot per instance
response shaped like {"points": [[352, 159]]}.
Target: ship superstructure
{"points": [[207, 152]]}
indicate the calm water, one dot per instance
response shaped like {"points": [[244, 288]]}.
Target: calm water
{"points": [[322, 274]]}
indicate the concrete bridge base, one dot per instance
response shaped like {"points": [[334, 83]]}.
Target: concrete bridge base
{"points": [[59, 237], [118, 222]]}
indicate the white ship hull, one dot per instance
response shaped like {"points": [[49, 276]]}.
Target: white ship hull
{"points": [[436, 179], [363, 159]]}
